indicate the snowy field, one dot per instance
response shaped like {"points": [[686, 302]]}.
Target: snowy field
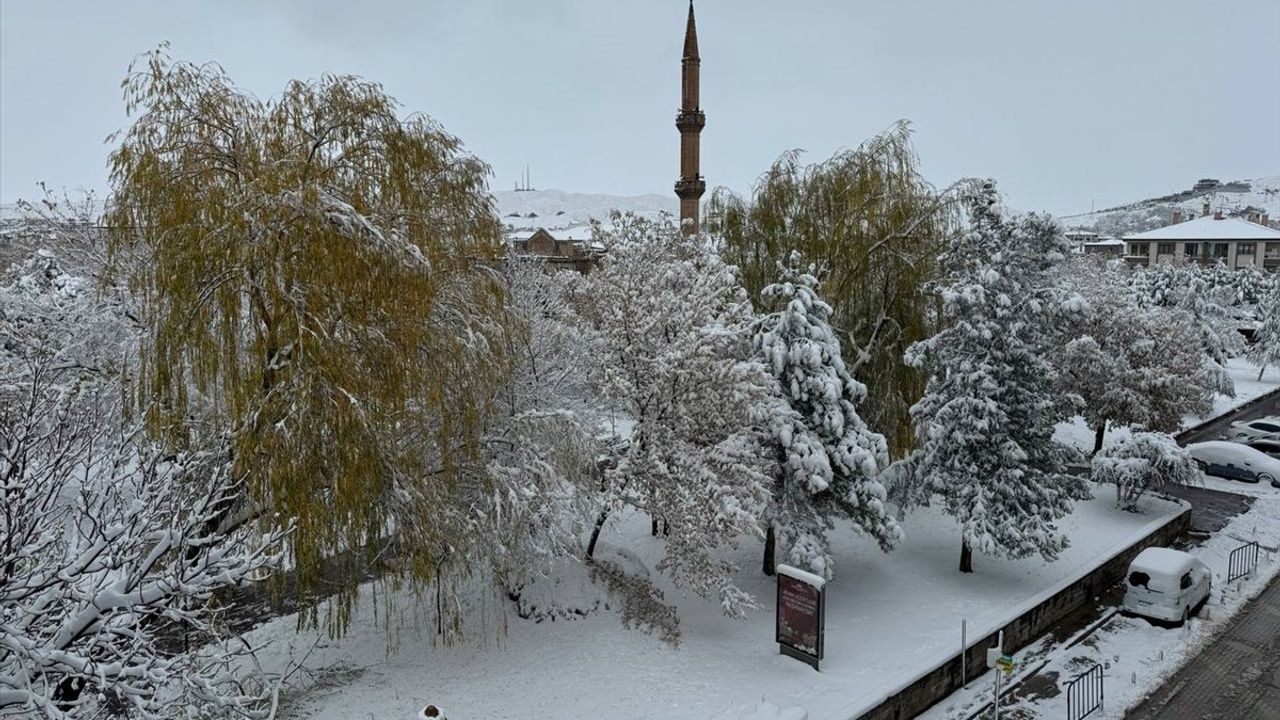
{"points": [[890, 617], [1142, 656], [1243, 374]]}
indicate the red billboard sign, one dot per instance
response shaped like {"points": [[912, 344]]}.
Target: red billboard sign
{"points": [[800, 614]]}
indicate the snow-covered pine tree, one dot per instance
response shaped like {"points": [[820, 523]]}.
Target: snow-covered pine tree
{"points": [[985, 424], [828, 458], [1265, 349], [676, 356]]}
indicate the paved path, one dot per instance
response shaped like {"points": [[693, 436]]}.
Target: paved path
{"points": [[1235, 678]]}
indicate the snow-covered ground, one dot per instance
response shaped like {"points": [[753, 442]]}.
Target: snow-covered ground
{"points": [[890, 618], [1140, 656], [1243, 373]]}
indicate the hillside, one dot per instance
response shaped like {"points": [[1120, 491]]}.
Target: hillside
{"points": [[1234, 198]]}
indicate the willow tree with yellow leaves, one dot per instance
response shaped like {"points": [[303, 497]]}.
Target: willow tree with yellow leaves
{"points": [[872, 227], [315, 274]]}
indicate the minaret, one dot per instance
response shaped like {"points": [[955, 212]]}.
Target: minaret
{"points": [[689, 122]]}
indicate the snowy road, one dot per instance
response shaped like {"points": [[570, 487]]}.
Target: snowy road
{"points": [[1263, 406], [1235, 678]]}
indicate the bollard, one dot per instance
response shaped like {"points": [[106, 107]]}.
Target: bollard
{"points": [[1133, 678]]}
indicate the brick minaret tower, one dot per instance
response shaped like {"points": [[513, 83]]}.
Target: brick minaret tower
{"points": [[689, 122]]}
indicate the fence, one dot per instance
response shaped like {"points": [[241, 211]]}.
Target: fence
{"points": [[1242, 561], [1084, 693]]}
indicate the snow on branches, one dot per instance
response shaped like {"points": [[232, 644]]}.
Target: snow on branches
{"points": [[829, 459], [106, 546], [675, 356], [1265, 349], [985, 424], [1141, 462]]}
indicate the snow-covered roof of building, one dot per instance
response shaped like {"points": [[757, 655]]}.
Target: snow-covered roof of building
{"points": [[1105, 241], [1209, 228]]}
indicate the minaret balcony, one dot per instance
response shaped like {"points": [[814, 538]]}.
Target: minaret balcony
{"points": [[691, 120], [691, 188]]}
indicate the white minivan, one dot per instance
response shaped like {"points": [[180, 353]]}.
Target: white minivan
{"points": [[1166, 584]]}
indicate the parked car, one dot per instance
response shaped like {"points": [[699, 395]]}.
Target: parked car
{"points": [[1267, 428], [1234, 461], [1266, 447], [1166, 584]]}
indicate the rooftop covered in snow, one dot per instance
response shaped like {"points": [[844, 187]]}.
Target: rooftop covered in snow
{"points": [[1209, 228]]}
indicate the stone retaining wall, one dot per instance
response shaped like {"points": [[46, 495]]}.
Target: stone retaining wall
{"points": [[1031, 625]]}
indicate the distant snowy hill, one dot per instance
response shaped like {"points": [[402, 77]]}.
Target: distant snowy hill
{"points": [[559, 210], [1233, 198]]}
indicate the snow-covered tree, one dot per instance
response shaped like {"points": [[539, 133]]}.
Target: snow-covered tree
{"points": [[96, 525], [1188, 287], [985, 424], [1131, 365], [317, 288], [1142, 462], [828, 458], [1265, 349], [676, 356], [873, 227]]}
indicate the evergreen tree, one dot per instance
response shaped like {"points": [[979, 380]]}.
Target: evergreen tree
{"points": [[828, 458], [985, 424], [1265, 349]]}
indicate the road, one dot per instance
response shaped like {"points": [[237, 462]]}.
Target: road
{"points": [[1217, 429], [1235, 678]]}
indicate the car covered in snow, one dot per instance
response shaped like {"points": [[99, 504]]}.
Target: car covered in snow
{"points": [[1266, 447], [1166, 584], [1267, 428], [1234, 461]]}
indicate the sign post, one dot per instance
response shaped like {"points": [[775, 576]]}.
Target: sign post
{"points": [[1003, 665], [801, 614]]}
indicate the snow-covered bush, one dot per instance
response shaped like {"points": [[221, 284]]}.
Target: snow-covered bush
{"points": [[1142, 462], [829, 458]]}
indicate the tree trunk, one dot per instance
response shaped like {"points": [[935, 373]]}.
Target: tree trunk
{"points": [[653, 525], [1262, 371], [966, 557], [770, 541], [595, 533], [1098, 436]]}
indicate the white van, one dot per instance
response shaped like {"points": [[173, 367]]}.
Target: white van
{"points": [[1166, 584]]}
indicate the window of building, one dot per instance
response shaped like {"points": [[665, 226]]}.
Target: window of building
{"points": [[1140, 248], [1273, 249], [1247, 249], [1165, 249], [1191, 250], [1219, 250]]}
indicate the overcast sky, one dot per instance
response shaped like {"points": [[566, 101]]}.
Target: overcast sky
{"points": [[1065, 103]]}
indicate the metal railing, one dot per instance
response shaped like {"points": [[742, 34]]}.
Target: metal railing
{"points": [[1242, 561], [1084, 693]]}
